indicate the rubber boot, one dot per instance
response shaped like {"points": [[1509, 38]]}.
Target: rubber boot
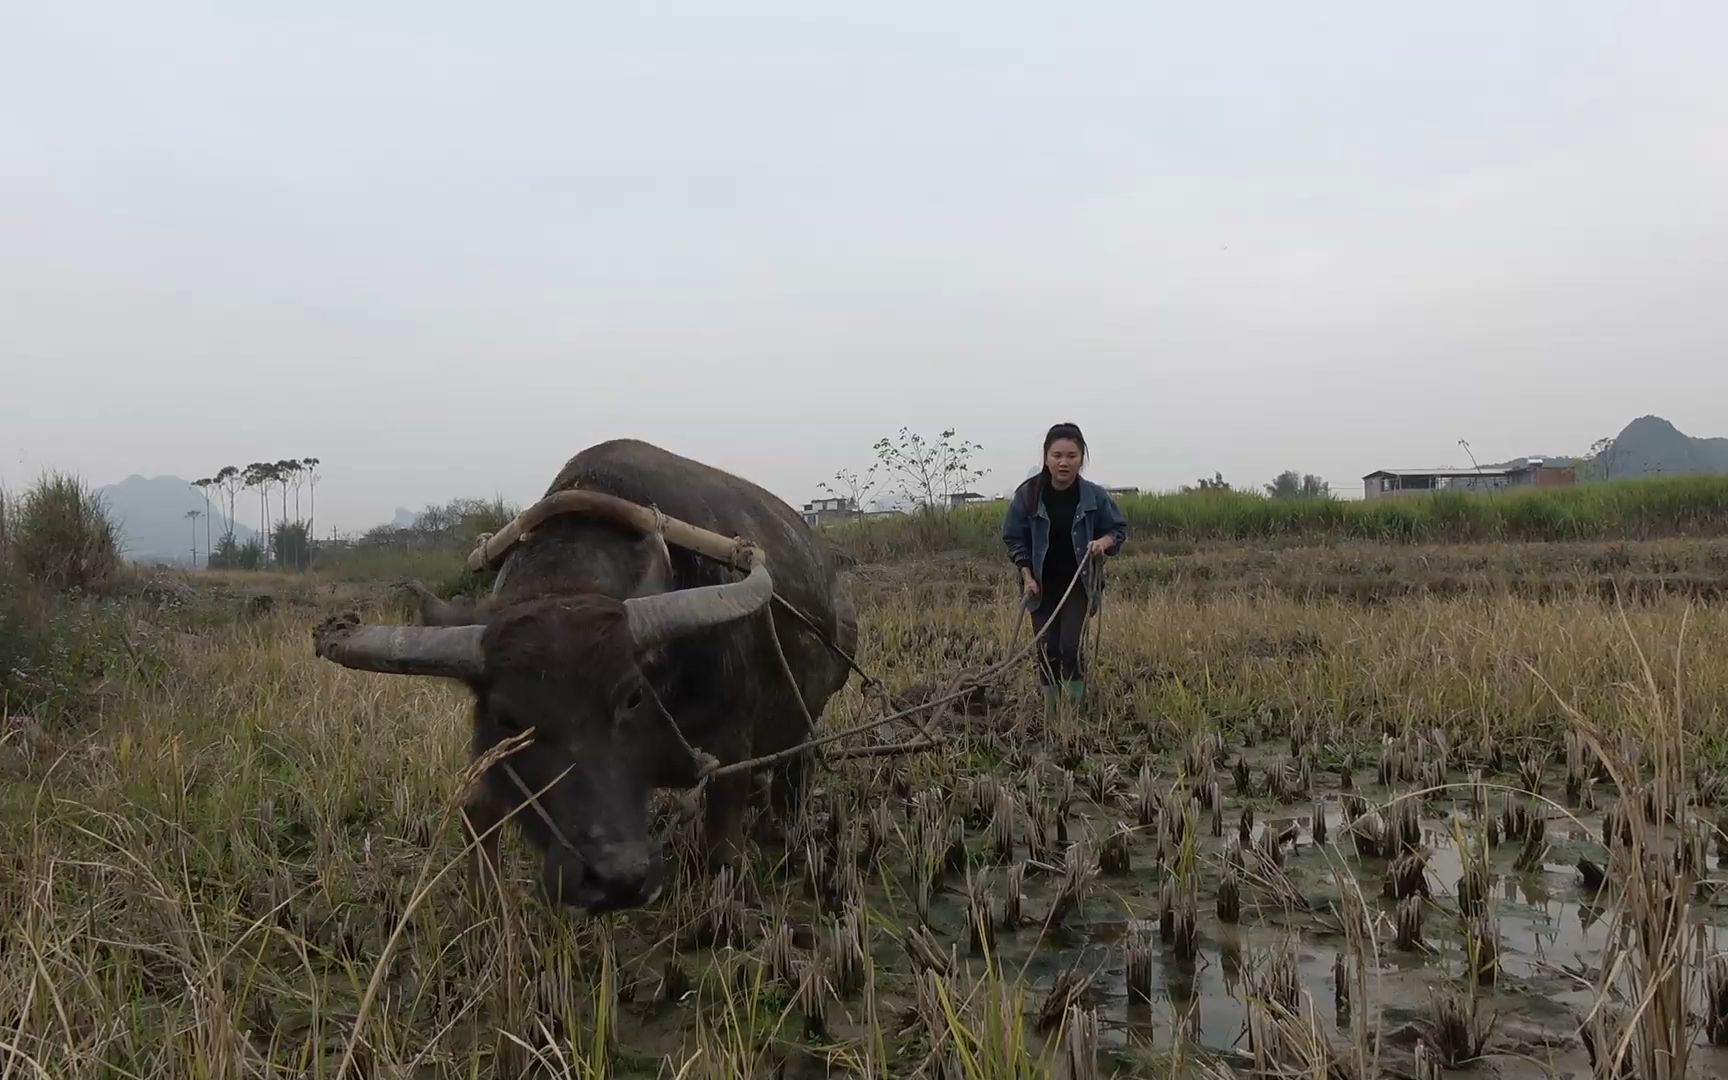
{"points": [[1076, 692]]}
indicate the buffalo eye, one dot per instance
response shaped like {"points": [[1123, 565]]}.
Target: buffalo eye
{"points": [[633, 700]]}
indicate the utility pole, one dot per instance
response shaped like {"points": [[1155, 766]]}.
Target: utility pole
{"points": [[193, 516]]}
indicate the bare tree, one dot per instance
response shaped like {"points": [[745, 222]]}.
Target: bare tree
{"points": [[261, 475], [928, 471], [847, 484], [229, 481], [310, 465], [1602, 455], [284, 477]]}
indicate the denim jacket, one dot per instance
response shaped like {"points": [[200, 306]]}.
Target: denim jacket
{"points": [[1028, 536]]}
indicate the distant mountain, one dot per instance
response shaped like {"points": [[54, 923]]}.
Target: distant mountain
{"points": [[1651, 445], [404, 519], [1648, 446], [151, 516]]}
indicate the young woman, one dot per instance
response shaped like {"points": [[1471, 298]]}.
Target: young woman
{"points": [[1055, 519]]}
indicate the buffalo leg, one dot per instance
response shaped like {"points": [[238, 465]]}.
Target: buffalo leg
{"points": [[791, 782], [728, 798]]}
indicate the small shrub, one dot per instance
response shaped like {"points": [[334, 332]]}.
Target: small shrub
{"points": [[60, 534], [250, 556], [52, 650], [226, 555]]}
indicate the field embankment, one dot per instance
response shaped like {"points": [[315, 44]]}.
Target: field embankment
{"points": [[1695, 506]]}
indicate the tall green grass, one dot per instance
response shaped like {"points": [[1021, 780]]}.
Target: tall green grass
{"points": [[1628, 509], [57, 545], [59, 533]]}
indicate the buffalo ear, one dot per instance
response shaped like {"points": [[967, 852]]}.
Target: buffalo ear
{"points": [[438, 612]]}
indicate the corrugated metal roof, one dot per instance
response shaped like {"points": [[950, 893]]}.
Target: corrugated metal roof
{"points": [[1445, 472]]}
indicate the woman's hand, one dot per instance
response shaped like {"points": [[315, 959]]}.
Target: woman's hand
{"points": [[1028, 583], [1101, 546]]}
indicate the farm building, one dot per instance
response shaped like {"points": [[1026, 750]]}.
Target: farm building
{"points": [[827, 511], [1383, 483]]}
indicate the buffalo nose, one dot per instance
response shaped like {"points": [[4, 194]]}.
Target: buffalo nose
{"points": [[609, 879], [625, 875]]}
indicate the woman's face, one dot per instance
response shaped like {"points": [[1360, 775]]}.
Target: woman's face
{"points": [[1063, 461]]}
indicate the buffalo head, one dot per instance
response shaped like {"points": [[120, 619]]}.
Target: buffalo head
{"points": [[569, 668]]}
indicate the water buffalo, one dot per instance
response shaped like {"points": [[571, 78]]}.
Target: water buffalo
{"points": [[591, 628]]}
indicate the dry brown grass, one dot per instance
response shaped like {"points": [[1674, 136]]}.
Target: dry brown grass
{"points": [[237, 866]]}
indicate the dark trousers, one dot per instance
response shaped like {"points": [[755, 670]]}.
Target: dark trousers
{"points": [[1059, 650]]}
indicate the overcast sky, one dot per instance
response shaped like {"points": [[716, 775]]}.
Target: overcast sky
{"points": [[443, 247]]}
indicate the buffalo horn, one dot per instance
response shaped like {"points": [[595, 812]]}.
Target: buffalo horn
{"points": [[450, 651], [654, 620]]}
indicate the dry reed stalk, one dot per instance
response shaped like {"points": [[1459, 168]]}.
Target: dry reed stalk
{"points": [[724, 921], [1370, 836], [980, 928], [1243, 779], [1285, 1035], [1080, 1044], [1458, 1031], [1482, 949], [811, 1000], [1408, 877], [1530, 772], [1102, 782], [1138, 967], [1407, 822], [1147, 803], [926, 953], [1185, 937], [1409, 924], [780, 956], [1002, 827], [1535, 847], [1203, 752], [1078, 869], [1363, 948], [1114, 855], [849, 952], [1230, 898], [1656, 971], [1041, 845], [1065, 993], [1014, 898], [1716, 1001]]}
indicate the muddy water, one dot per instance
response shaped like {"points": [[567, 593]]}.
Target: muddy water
{"points": [[1552, 932], [1551, 937]]}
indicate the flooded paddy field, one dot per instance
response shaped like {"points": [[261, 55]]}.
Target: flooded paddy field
{"points": [[1284, 836], [1495, 909]]}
